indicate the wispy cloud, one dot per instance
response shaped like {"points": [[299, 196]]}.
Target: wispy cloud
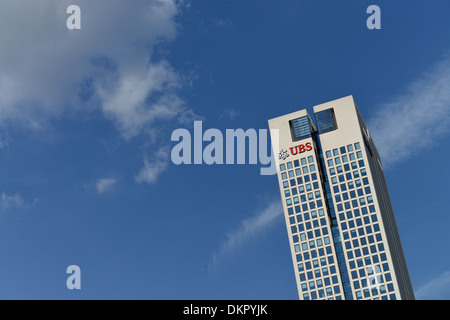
{"points": [[230, 113], [153, 166], [436, 289], [245, 232], [105, 185], [416, 119], [11, 202]]}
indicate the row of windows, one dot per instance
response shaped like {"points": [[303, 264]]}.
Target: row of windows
{"points": [[301, 180], [360, 236], [345, 159], [296, 163], [373, 279], [316, 263], [303, 197], [306, 216], [298, 172], [350, 185], [311, 276], [320, 252], [366, 251], [366, 292], [317, 284], [353, 194], [343, 150], [313, 230], [347, 169], [312, 244], [321, 294], [363, 241], [368, 261], [348, 177], [358, 222], [306, 206], [369, 271], [355, 214]]}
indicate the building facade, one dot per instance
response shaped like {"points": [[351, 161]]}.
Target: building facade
{"points": [[342, 231]]}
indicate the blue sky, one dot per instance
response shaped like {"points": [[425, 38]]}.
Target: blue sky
{"points": [[86, 118]]}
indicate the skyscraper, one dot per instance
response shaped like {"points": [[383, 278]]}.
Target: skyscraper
{"points": [[342, 231]]}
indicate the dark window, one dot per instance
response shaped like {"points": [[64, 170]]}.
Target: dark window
{"points": [[325, 120], [300, 128]]}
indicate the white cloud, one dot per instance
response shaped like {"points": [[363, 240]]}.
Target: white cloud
{"points": [[48, 70], [248, 229], [436, 289], [105, 184], [10, 202], [153, 166], [415, 120]]}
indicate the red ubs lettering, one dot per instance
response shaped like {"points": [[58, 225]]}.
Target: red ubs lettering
{"points": [[300, 148]]}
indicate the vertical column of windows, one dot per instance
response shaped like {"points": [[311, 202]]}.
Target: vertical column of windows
{"points": [[334, 227], [312, 251], [362, 239]]}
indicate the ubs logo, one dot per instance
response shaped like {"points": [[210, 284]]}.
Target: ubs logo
{"points": [[300, 148]]}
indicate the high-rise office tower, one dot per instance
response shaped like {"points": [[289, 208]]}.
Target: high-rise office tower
{"points": [[342, 231]]}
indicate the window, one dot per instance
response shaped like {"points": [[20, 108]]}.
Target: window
{"points": [[325, 120], [300, 128]]}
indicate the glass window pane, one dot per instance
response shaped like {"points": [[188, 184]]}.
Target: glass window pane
{"points": [[325, 120]]}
